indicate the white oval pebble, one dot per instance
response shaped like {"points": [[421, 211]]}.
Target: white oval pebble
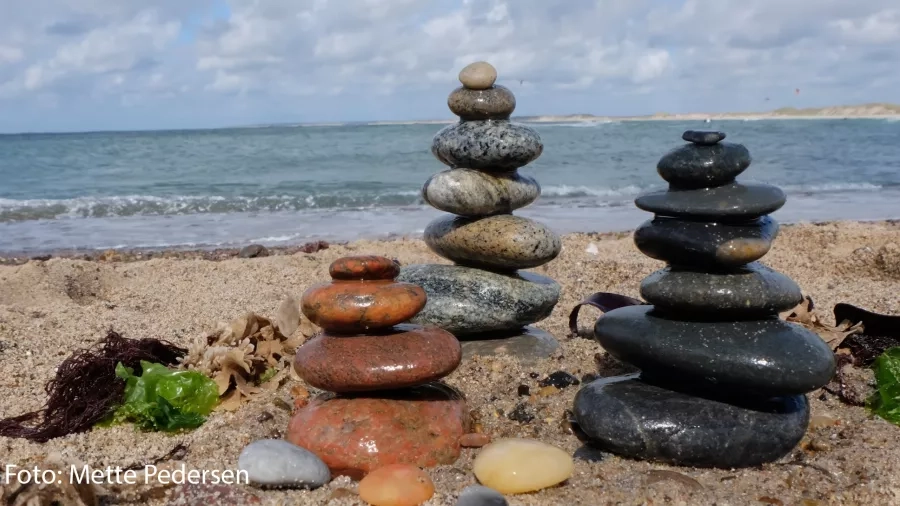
{"points": [[515, 466], [278, 463], [480, 75]]}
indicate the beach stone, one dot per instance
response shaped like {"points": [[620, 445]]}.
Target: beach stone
{"points": [[480, 75], [496, 146], [396, 485], [253, 251], [750, 291], [495, 242], [465, 301], [629, 417], [766, 357], [517, 465], [467, 192], [693, 166], [407, 355], [479, 495], [278, 463], [706, 244], [730, 202], [474, 440], [529, 345], [357, 434], [496, 102], [364, 268], [704, 138], [357, 306]]}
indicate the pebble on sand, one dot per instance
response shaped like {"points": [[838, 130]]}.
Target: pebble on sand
{"points": [[518, 465], [477, 495], [278, 463], [396, 485]]}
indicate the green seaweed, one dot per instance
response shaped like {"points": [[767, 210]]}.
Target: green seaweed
{"points": [[164, 399], [885, 402]]}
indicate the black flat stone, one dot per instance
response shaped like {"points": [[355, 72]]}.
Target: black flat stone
{"points": [[766, 357], [703, 243], [699, 166], [752, 291], [631, 418], [706, 138], [731, 202]]}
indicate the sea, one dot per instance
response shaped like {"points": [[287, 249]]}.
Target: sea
{"points": [[287, 185]]}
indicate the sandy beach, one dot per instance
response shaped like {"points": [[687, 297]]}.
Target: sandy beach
{"points": [[49, 308]]}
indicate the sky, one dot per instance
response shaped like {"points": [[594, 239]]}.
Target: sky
{"points": [[76, 65]]}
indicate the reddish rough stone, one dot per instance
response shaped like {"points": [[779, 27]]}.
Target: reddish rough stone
{"points": [[364, 267], [357, 306], [410, 356], [420, 426]]}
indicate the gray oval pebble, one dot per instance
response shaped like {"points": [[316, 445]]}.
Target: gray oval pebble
{"points": [[479, 495], [497, 146], [468, 192], [278, 463]]}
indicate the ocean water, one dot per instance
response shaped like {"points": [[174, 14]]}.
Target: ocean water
{"points": [[288, 185]]}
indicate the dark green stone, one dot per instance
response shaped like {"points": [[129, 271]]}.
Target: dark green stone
{"points": [[700, 166], [731, 202]]}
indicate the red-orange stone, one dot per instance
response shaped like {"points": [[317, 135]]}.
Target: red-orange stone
{"points": [[364, 267], [352, 307], [411, 355], [420, 426]]}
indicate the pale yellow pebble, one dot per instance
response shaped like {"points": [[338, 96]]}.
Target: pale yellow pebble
{"points": [[480, 75], [517, 465]]}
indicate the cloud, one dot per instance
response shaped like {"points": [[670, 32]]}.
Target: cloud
{"points": [[210, 62]]}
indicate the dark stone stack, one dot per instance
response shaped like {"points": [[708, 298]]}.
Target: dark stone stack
{"points": [[723, 378]]}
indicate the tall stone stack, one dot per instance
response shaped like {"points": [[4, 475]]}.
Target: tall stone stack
{"points": [[386, 406], [484, 299], [722, 379]]}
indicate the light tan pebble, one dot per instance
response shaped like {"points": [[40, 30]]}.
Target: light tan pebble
{"points": [[480, 75], [516, 465], [396, 485], [474, 440], [819, 421]]}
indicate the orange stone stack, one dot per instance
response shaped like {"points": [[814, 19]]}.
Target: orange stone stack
{"points": [[386, 407]]}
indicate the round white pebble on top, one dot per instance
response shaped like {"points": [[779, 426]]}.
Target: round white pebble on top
{"points": [[480, 75], [278, 463], [518, 465]]}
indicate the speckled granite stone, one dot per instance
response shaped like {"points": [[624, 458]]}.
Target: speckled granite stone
{"points": [[745, 292], [698, 166], [706, 244], [528, 345], [766, 357], [629, 417], [504, 241], [467, 301], [468, 192], [496, 102], [487, 145], [704, 138], [730, 202]]}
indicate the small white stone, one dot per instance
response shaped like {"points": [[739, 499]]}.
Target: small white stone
{"points": [[480, 75], [278, 463]]}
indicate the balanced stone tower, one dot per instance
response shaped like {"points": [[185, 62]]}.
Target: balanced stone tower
{"points": [[722, 379], [484, 299], [388, 407]]}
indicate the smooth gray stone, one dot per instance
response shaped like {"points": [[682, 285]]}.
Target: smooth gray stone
{"points": [[767, 357], [278, 463], [745, 292], [699, 166], [497, 146], [479, 495], [631, 418], [465, 301], [704, 243], [528, 345], [499, 242], [468, 192], [706, 138], [496, 102], [734, 201]]}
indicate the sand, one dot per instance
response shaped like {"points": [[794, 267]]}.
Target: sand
{"points": [[50, 308]]}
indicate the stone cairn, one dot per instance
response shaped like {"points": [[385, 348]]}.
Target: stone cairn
{"points": [[385, 406], [484, 299], [722, 379]]}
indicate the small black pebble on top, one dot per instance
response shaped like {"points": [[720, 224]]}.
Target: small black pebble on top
{"points": [[559, 379], [703, 138], [523, 390]]}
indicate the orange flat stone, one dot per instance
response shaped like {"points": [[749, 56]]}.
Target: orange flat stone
{"points": [[396, 485], [357, 306], [368, 267]]}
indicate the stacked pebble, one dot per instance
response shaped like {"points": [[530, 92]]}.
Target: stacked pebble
{"points": [[723, 378], [484, 292], [388, 410]]}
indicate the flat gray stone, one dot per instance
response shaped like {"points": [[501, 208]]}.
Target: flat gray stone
{"points": [[766, 357], [706, 244], [628, 417], [465, 301], [499, 242], [744, 292], [468, 192], [705, 138], [497, 146], [479, 495], [277, 463], [528, 345], [730, 202], [496, 102], [703, 166]]}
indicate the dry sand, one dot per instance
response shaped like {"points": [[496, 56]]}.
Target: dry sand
{"points": [[50, 308]]}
